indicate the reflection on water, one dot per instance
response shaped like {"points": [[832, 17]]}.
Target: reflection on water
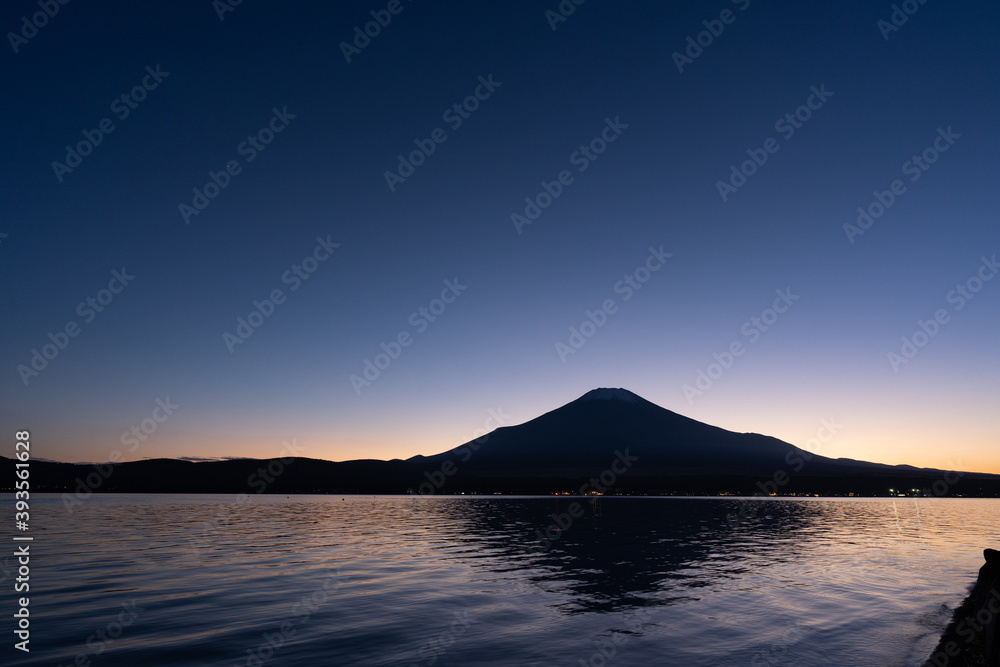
{"points": [[495, 581]]}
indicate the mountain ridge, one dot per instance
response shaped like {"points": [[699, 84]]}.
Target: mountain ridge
{"points": [[666, 453]]}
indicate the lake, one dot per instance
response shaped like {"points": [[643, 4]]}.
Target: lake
{"points": [[490, 580]]}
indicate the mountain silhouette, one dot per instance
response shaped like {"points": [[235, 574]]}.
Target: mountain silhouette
{"points": [[606, 441], [584, 434]]}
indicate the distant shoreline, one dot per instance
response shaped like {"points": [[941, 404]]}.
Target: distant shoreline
{"points": [[296, 475], [505, 494]]}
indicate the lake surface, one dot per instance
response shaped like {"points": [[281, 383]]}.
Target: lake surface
{"points": [[328, 580]]}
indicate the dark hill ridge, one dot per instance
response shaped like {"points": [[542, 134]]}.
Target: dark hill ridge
{"points": [[666, 453]]}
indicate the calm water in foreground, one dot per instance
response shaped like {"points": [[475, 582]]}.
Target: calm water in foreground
{"points": [[325, 580]]}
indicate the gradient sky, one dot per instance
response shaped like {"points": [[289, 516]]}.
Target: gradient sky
{"points": [[495, 346]]}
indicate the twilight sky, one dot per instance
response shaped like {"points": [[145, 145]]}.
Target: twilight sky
{"points": [[167, 172]]}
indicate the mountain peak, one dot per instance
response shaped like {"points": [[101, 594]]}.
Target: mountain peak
{"points": [[607, 394]]}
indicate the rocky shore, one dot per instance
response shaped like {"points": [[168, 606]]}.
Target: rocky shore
{"points": [[972, 639]]}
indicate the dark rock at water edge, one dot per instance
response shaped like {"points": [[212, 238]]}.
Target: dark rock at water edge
{"points": [[972, 639]]}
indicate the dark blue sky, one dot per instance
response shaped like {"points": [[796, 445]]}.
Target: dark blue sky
{"points": [[501, 344]]}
